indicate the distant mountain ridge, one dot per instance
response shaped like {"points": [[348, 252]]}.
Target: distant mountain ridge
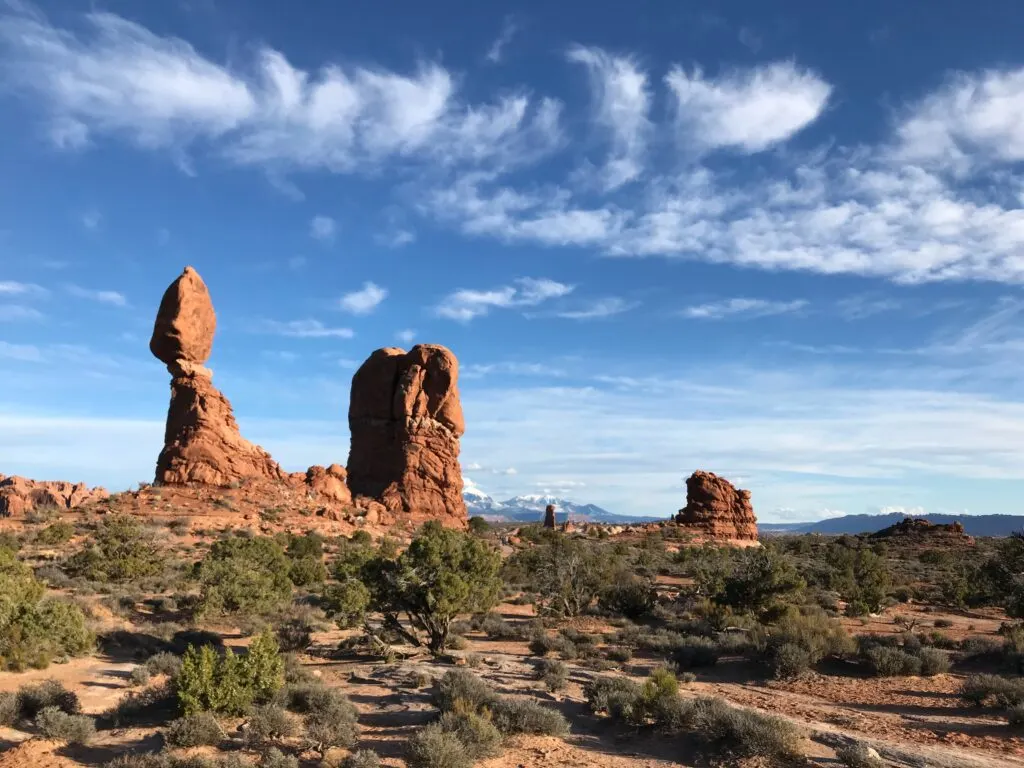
{"points": [[529, 508], [974, 525]]}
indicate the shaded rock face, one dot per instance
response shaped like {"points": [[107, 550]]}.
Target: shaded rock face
{"points": [[202, 444], [717, 509], [406, 420], [19, 496], [925, 530], [549, 516]]}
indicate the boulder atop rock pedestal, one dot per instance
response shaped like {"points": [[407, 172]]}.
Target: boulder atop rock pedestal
{"points": [[715, 508], [185, 323], [406, 419], [549, 516], [19, 495]]}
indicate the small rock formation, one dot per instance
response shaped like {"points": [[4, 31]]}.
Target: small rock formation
{"points": [[406, 420], [922, 529], [549, 516], [202, 444], [329, 483], [19, 495], [717, 509]]}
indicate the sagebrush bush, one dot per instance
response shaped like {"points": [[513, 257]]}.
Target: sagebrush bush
{"points": [[989, 690], [10, 709], [789, 661], [58, 725], [330, 719], [744, 733], [198, 730], [164, 663], [933, 662], [478, 735], [432, 747], [266, 723], [813, 632], [497, 628], [632, 598], [33, 699], [692, 652], [1015, 716], [616, 696], [459, 685], [554, 674], [275, 758], [859, 755], [363, 758], [139, 676], [514, 715], [295, 635], [892, 662]]}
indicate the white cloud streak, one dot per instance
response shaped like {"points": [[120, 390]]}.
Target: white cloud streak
{"points": [[466, 304], [742, 308], [322, 228], [496, 52], [113, 298], [307, 329], [364, 301]]}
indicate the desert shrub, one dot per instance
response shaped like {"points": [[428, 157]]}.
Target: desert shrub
{"points": [[478, 735], [457, 642], [58, 725], [56, 533], [432, 747], [744, 733], [517, 715], [275, 758], [497, 628], [1015, 715], [330, 719], [858, 755], [616, 696], [10, 709], [799, 640], [459, 685], [229, 684], [633, 598], [346, 602], [554, 674], [122, 550], [541, 643], [891, 662], [306, 557], [34, 630], [478, 526], [268, 722], [363, 758], [139, 676], [760, 580], [198, 730], [294, 635], [860, 575], [49, 694], [943, 623], [692, 652], [933, 662], [163, 663], [982, 690], [567, 574], [442, 573], [620, 654], [241, 575]]}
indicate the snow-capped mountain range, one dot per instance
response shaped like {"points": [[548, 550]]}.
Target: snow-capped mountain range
{"points": [[529, 508]]}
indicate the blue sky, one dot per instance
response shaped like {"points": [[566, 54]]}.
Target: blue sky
{"points": [[784, 245]]}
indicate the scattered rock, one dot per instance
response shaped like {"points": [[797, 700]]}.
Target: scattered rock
{"points": [[19, 495], [717, 509], [329, 483], [406, 420]]}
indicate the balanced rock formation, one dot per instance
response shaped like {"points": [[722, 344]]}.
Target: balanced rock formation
{"points": [[717, 509], [202, 444], [19, 495], [549, 516], [406, 420]]}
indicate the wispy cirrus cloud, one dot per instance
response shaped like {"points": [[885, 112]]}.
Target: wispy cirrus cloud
{"points": [[363, 301], [496, 52], [466, 304], [738, 308], [16, 312], [307, 329], [113, 298], [323, 228], [15, 288], [607, 307]]}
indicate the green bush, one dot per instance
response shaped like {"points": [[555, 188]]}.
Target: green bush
{"points": [[60, 726], [933, 662], [35, 630], [431, 747], [799, 640], [230, 684], [459, 685], [761, 579], [363, 758], [198, 730], [122, 550], [515, 715], [789, 661], [478, 735], [347, 602], [616, 696], [692, 652], [478, 526], [633, 598], [57, 533], [892, 662], [242, 575]]}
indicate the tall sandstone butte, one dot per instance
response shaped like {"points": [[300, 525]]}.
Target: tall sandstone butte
{"points": [[406, 420], [717, 509], [202, 444]]}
